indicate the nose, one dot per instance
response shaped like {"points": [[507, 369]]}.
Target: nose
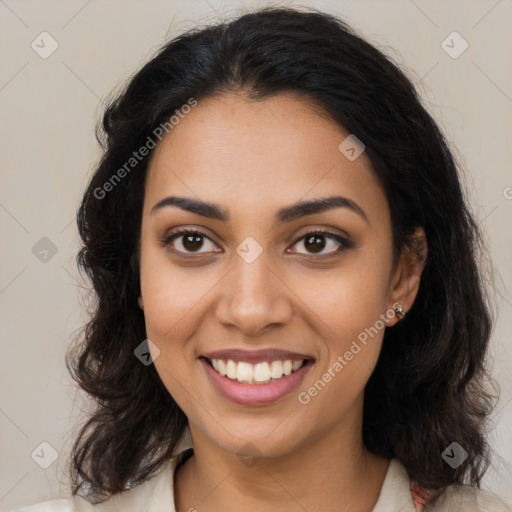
{"points": [[254, 298]]}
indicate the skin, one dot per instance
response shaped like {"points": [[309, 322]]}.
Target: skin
{"points": [[252, 158]]}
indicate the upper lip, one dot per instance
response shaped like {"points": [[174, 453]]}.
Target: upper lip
{"points": [[256, 356]]}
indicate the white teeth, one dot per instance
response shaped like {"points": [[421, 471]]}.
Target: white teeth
{"points": [[222, 367], [248, 373], [296, 365], [245, 372], [231, 369], [276, 370], [262, 372]]}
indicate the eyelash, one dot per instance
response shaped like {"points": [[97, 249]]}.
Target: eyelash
{"points": [[344, 243]]}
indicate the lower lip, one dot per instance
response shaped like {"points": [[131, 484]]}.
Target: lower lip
{"points": [[256, 394]]}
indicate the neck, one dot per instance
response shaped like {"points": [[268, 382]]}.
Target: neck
{"points": [[333, 472]]}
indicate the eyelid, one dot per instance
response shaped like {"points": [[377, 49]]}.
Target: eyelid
{"points": [[343, 240], [168, 238]]}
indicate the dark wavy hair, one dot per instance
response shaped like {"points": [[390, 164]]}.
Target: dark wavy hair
{"points": [[427, 389]]}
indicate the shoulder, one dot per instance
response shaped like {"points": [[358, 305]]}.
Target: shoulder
{"points": [[58, 505], [74, 504], [149, 496], [464, 498], [399, 492], [153, 495]]}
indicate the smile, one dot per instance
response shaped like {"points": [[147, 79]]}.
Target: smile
{"points": [[260, 373], [255, 377]]}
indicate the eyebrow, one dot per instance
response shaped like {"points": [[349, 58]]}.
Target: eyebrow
{"points": [[286, 214]]}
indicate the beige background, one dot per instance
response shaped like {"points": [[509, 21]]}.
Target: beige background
{"points": [[48, 109]]}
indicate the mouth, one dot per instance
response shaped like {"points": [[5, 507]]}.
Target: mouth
{"points": [[255, 378], [261, 373]]}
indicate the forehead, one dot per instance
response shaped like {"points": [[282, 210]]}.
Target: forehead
{"points": [[259, 153]]}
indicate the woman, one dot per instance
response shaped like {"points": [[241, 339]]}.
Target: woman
{"points": [[289, 311]]}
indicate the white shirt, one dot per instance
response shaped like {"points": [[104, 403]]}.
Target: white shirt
{"points": [[156, 495]]}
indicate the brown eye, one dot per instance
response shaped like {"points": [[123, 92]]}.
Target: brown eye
{"points": [[316, 241], [321, 243], [188, 241], [192, 242]]}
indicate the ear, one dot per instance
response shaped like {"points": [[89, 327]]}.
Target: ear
{"points": [[405, 281], [140, 302]]}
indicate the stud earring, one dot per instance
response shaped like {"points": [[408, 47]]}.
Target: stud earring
{"points": [[399, 311]]}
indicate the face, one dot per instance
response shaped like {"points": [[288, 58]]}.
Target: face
{"points": [[259, 284]]}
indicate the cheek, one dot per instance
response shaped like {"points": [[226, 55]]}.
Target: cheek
{"points": [[349, 307], [350, 322], [174, 305], [172, 295], [348, 299]]}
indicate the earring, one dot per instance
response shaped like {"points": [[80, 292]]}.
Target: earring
{"points": [[399, 311]]}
